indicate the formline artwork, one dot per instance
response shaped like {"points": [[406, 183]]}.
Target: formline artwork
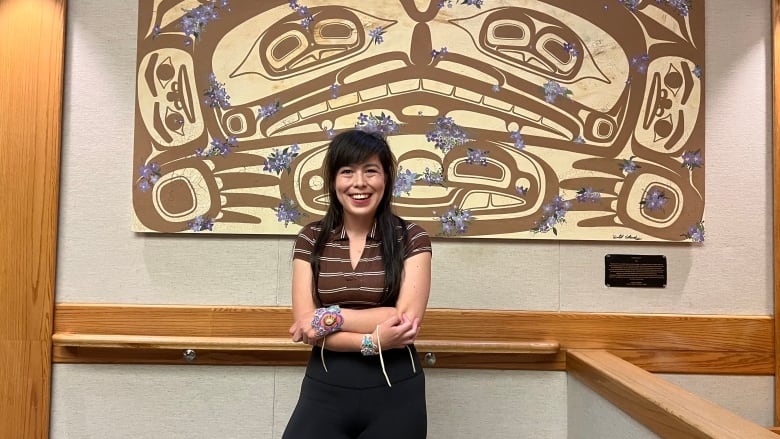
{"points": [[527, 119]]}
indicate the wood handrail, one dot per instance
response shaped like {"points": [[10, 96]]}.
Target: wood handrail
{"points": [[284, 344], [658, 404]]}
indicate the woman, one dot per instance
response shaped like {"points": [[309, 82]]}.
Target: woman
{"points": [[361, 280]]}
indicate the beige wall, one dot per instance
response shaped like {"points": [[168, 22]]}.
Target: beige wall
{"points": [[100, 260]]}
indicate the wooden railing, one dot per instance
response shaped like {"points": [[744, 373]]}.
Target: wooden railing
{"points": [[664, 408]]}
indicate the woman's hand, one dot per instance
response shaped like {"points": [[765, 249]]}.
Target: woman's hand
{"points": [[301, 330], [397, 332]]}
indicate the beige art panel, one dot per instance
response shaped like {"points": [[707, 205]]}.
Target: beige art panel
{"points": [[524, 119]]}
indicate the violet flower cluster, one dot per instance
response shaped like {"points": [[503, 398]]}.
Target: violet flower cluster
{"points": [[553, 213], [588, 195], [194, 21], [200, 224], [303, 11], [455, 221], [654, 200], [382, 124], [281, 161], [287, 212], [150, 173], [434, 178], [552, 90], [216, 95], [446, 135], [217, 148], [695, 232], [404, 181], [692, 160], [629, 165]]}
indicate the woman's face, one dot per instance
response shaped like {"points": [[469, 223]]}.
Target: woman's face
{"points": [[360, 187]]}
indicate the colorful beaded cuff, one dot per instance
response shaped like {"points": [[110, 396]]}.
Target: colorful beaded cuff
{"points": [[327, 320], [367, 346]]}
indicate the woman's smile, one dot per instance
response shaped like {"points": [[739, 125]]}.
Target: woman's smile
{"points": [[360, 187]]}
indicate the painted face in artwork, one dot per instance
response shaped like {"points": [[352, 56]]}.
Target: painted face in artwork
{"points": [[670, 108], [360, 187], [166, 86]]}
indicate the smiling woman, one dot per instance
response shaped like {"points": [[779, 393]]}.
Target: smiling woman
{"points": [[361, 280]]}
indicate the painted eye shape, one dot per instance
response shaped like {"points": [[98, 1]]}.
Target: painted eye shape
{"points": [[286, 48], [174, 121], [663, 128], [673, 80], [165, 72]]}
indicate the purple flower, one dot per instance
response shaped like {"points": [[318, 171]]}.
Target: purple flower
{"points": [[194, 21], [588, 195], [287, 212], [303, 11], [553, 213], [628, 166], [404, 182], [518, 139], [446, 134], [456, 221], [438, 53], [375, 35], [216, 95], [579, 140], [268, 110], [640, 62], [496, 88], [692, 160], [281, 161], [156, 31], [334, 91], [552, 90], [200, 224], [382, 124], [448, 3], [522, 191], [683, 6], [631, 5], [571, 49], [697, 71], [477, 157], [695, 232], [217, 148], [434, 177], [330, 132], [654, 200], [150, 174]]}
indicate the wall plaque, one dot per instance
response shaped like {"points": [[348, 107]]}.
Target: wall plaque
{"points": [[639, 271]]}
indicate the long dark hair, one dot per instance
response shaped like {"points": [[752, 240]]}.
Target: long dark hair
{"points": [[350, 148]]}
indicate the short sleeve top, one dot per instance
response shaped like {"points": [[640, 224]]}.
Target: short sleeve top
{"points": [[361, 286]]}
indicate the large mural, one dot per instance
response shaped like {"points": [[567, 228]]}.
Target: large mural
{"points": [[526, 119]]}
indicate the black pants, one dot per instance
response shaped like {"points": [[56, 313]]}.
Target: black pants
{"points": [[344, 404]]}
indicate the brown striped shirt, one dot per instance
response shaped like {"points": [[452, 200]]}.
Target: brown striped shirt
{"points": [[361, 287]]}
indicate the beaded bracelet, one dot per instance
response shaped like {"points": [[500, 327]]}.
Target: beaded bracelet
{"points": [[367, 346], [327, 320]]}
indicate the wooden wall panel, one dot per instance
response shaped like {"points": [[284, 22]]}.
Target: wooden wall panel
{"points": [[31, 50], [659, 343], [776, 187]]}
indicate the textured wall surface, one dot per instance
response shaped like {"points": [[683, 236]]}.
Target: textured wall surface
{"points": [[101, 260]]}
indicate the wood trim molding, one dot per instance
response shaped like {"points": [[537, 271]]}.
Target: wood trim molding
{"points": [[776, 189], [662, 407], [659, 343], [32, 34]]}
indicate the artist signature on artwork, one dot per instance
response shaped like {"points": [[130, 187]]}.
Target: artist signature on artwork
{"points": [[627, 237]]}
